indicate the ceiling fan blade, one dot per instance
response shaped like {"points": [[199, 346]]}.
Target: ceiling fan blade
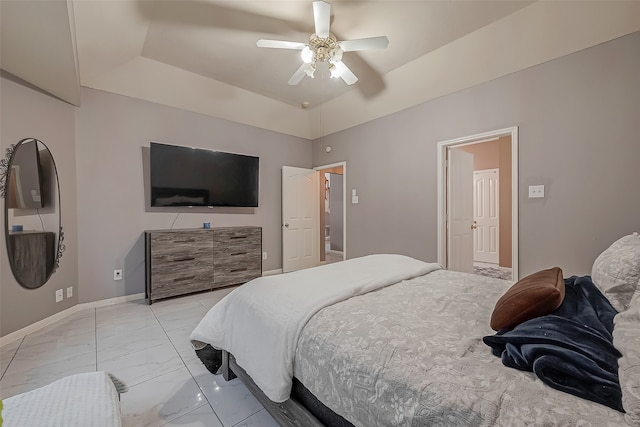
{"points": [[322, 18], [345, 73], [299, 74], [280, 44], [380, 42]]}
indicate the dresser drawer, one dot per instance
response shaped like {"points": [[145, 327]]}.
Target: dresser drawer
{"points": [[181, 275], [181, 284], [229, 243], [238, 255], [233, 275], [187, 266], [237, 237], [171, 259], [181, 257], [173, 245], [238, 260]]}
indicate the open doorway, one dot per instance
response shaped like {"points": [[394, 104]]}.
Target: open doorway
{"points": [[477, 204], [491, 227], [332, 212]]}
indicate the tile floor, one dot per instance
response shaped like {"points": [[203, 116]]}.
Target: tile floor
{"points": [[331, 256], [148, 348]]}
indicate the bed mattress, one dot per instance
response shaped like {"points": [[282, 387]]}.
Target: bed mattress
{"points": [[412, 354]]}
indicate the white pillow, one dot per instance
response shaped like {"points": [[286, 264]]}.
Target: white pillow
{"points": [[616, 271], [626, 338]]}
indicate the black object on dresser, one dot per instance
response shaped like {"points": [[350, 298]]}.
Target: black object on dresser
{"points": [[179, 262]]}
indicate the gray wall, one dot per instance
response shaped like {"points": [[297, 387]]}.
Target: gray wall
{"points": [[113, 135], [579, 136], [101, 151], [26, 112]]}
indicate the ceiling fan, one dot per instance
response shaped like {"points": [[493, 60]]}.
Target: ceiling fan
{"points": [[324, 47]]}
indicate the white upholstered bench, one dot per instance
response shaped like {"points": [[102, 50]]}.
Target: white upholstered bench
{"points": [[89, 399]]}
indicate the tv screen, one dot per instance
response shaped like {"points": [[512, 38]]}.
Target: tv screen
{"points": [[183, 176], [25, 179]]}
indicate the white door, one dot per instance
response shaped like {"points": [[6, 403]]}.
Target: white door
{"points": [[486, 239], [460, 211], [300, 218]]}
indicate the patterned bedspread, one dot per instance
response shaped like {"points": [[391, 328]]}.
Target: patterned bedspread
{"points": [[412, 355]]}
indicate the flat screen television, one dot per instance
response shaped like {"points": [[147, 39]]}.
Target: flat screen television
{"points": [[25, 177], [184, 176]]}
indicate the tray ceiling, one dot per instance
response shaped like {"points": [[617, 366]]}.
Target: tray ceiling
{"points": [[202, 55]]}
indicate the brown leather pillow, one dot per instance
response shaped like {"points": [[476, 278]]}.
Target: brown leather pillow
{"points": [[533, 296]]}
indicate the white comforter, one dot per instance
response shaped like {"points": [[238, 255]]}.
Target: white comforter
{"points": [[260, 322]]}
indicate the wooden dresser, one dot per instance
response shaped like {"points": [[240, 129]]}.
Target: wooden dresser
{"points": [[33, 255], [179, 262]]}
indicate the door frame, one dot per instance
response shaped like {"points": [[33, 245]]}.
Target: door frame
{"points": [[344, 202], [443, 146]]}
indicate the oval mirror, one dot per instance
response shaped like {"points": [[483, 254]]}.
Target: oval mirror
{"points": [[32, 212]]}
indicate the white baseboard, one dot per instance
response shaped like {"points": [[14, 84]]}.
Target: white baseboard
{"points": [[111, 301], [13, 336], [272, 272]]}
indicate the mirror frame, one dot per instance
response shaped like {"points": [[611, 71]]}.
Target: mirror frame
{"points": [[5, 170]]}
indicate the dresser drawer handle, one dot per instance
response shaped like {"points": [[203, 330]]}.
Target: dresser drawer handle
{"points": [[238, 237], [238, 253], [189, 258], [238, 269], [182, 279]]}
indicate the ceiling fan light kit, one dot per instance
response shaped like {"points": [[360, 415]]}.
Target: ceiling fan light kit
{"points": [[324, 47]]}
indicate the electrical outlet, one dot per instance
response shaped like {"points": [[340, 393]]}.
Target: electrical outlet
{"points": [[536, 191], [69, 291], [264, 255], [59, 295], [117, 274]]}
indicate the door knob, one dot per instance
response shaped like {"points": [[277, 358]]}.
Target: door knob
{"points": [[286, 224], [474, 225]]}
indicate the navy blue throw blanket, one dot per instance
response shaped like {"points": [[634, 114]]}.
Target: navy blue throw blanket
{"points": [[570, 349]]}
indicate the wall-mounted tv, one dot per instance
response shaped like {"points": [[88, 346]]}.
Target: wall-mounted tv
{"points": [[184, 176], [25, 177]]}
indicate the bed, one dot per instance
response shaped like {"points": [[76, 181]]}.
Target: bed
{"points": [[389, 340]]}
